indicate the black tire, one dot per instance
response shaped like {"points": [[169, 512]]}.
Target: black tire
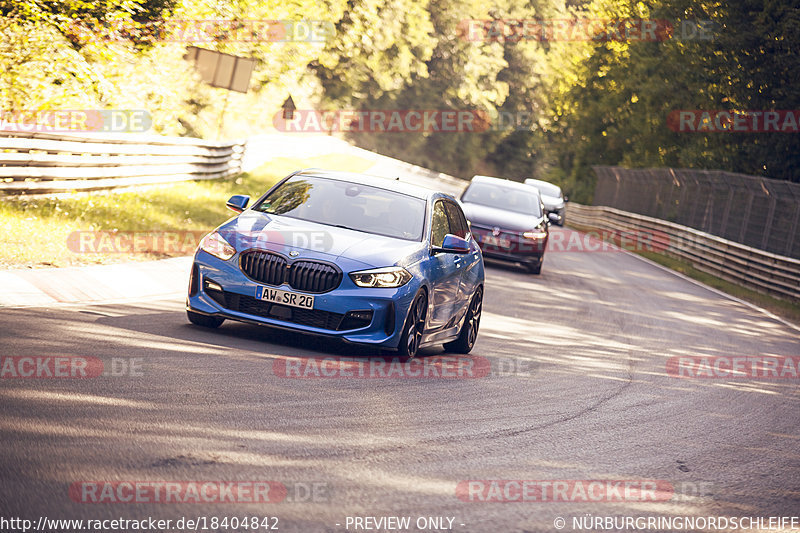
{"points": [[469, 331], [536, 269], [413, 328], [204, 320]]}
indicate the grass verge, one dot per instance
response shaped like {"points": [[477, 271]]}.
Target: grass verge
{"points": [[34, 232], [783, 308]]}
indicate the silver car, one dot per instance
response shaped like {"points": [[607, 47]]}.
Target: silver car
{"points": [[552, 197]]}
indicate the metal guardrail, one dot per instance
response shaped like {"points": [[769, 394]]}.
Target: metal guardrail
{"points": [[752, 210], [43, 163], [748, 267]]}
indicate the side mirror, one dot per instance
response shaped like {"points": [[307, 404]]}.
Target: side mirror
{"points": [[238, 202], [554, 218], [452, 244], [566, 199]]}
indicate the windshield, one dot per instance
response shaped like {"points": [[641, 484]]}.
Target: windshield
{"points": [[547, 189], [348, 205], [511, 199]]}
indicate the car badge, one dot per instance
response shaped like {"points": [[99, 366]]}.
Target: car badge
{"points": [[294, 253], [496, 231]]}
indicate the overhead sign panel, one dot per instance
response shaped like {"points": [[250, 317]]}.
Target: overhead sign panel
{"points": [[225, 71]]}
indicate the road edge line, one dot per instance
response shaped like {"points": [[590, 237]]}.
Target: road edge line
{"points": [[751, 305]]}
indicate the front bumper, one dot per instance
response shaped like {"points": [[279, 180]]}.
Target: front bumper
{"points": [[353, 314], [560, 210], [509, 246]]}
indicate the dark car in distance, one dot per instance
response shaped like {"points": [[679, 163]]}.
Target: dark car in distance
{"points": [[508, 220]]}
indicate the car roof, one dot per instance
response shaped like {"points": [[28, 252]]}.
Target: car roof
{"points": [[396, 185], [504, 182], [535, 182]]}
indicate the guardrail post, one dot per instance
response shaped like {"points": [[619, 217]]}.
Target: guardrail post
{"points": [[695, 203], [723, 228], [680, 211], [746, 217], [768, 223], [793, 233]]}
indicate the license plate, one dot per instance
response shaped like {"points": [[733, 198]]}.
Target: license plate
{"points": [[292, 299], [491, 240]]}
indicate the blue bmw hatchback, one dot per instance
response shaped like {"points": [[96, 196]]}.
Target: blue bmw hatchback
{"points": [[365, 259]]}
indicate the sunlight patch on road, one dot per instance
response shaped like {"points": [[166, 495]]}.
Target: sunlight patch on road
{"points": [[44, 396]]}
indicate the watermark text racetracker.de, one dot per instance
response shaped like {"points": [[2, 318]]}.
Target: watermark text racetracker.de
{"points": [[581, 490], [585, 29], [633, 240], [431, 367], [199, 492], [403, 121], [76, 120], [186, 242], [563, 490], [568, 240], [204, 31], [732, 121], [734, 367], [68, 367]]}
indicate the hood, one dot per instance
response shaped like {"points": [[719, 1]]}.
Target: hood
{"points": [[482, 215], [552, 202], [349, 248]]}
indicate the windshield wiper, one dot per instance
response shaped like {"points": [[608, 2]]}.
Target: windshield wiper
{"points": [[347, 227]]}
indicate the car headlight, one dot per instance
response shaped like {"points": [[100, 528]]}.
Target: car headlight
{"points": [[389, 277], [536, 234], [214, 244]]}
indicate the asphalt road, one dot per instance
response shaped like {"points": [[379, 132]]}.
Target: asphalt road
{"points": [[579, 390]]}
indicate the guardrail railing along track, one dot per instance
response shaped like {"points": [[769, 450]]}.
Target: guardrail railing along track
{"points": [[43, 163], [755, 211], [748, 267]]}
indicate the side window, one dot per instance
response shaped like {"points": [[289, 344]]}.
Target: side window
{"points": [[439, 224], [458, 224]]}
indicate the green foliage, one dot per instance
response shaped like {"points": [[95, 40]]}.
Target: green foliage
{"points": [[614, 111], [579, 102], [456, 75], [377, 48]]}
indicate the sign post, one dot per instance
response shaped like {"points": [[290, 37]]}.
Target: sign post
{"points": [[225, 71]]}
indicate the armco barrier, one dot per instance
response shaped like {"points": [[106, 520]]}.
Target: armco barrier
{"points": [[755, 211], [755, 269], [39, 163]]}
